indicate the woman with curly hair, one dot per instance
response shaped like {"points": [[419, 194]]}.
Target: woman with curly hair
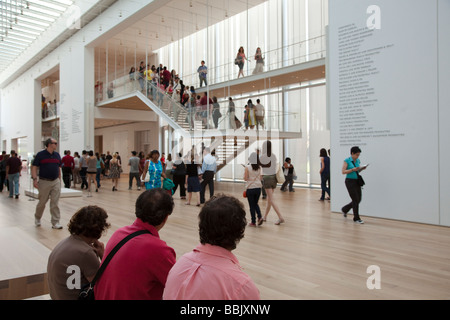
{"points": [[75, 260], [211, 271]]}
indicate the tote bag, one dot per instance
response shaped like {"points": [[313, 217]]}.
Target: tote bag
{"points": [[280, 174]]}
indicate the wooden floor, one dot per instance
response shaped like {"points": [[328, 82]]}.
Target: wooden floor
{"points": [[316, 254]]}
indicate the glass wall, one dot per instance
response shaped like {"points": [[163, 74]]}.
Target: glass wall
{"points": [[309, 104], [288, 32]]}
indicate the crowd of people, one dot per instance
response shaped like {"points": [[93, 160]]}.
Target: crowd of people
{"points": [[48, 107], [158, 83], [210, 271], [192, 172], [156, 273]]}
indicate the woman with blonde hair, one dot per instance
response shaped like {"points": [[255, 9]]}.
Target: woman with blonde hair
{"points": [[114, 172]]}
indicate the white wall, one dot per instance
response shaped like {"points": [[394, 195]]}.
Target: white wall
{"points": [[122, 139], [391, 106], [20, 114], [444, 109], [77, 99], [17, 117]]}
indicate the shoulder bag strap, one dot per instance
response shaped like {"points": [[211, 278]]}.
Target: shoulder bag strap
{"points": [[114, 251], [357, 172]]}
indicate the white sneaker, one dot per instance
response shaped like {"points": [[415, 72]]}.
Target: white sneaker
{"points": [[57, 226], [37, 222], [359, 221]]}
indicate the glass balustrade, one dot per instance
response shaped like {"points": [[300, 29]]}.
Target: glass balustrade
{"points": [[50, 111], [196, 117], [190, 114]]}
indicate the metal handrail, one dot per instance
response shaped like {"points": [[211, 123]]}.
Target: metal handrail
{"points": [[125, 85]]}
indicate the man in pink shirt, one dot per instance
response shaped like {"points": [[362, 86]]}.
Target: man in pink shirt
{"points": [[211, 271], [138, 271]]}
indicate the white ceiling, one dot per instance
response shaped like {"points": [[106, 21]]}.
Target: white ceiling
{"points": [[14, 65], [23, 21], [176, 20]]}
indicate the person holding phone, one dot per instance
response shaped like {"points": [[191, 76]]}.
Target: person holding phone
{"points": [[351, 168]]}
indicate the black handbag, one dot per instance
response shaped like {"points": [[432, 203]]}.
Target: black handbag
{"points": [[87, 291], [360, 180]]}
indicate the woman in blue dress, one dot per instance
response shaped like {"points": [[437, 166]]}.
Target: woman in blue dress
{"points": [[154, 169]]}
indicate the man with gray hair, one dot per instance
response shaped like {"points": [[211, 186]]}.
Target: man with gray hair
{"points": [[49, 184]]}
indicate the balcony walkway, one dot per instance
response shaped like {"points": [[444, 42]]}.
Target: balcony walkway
{"points": [[303, 72], [133, 99]]}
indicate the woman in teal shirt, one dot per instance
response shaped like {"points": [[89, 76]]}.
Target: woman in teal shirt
{"points": [[351, 169], [154, 169], [100, 166]]}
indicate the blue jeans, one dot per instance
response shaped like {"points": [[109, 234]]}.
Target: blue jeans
{"points": [[253, 198], [97, 176], [324, 178], [13, 182]]}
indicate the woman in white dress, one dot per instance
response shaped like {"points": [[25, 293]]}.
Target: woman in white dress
{"points": [[259, 62]]}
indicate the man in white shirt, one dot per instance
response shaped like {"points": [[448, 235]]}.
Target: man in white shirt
{"points": [[259, 114], [209, 168]]}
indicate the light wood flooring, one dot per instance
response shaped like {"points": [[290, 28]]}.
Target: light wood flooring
{"points": [[316, 254]]}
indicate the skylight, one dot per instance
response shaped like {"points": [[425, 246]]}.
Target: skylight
{"points": [[22, 21]]}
